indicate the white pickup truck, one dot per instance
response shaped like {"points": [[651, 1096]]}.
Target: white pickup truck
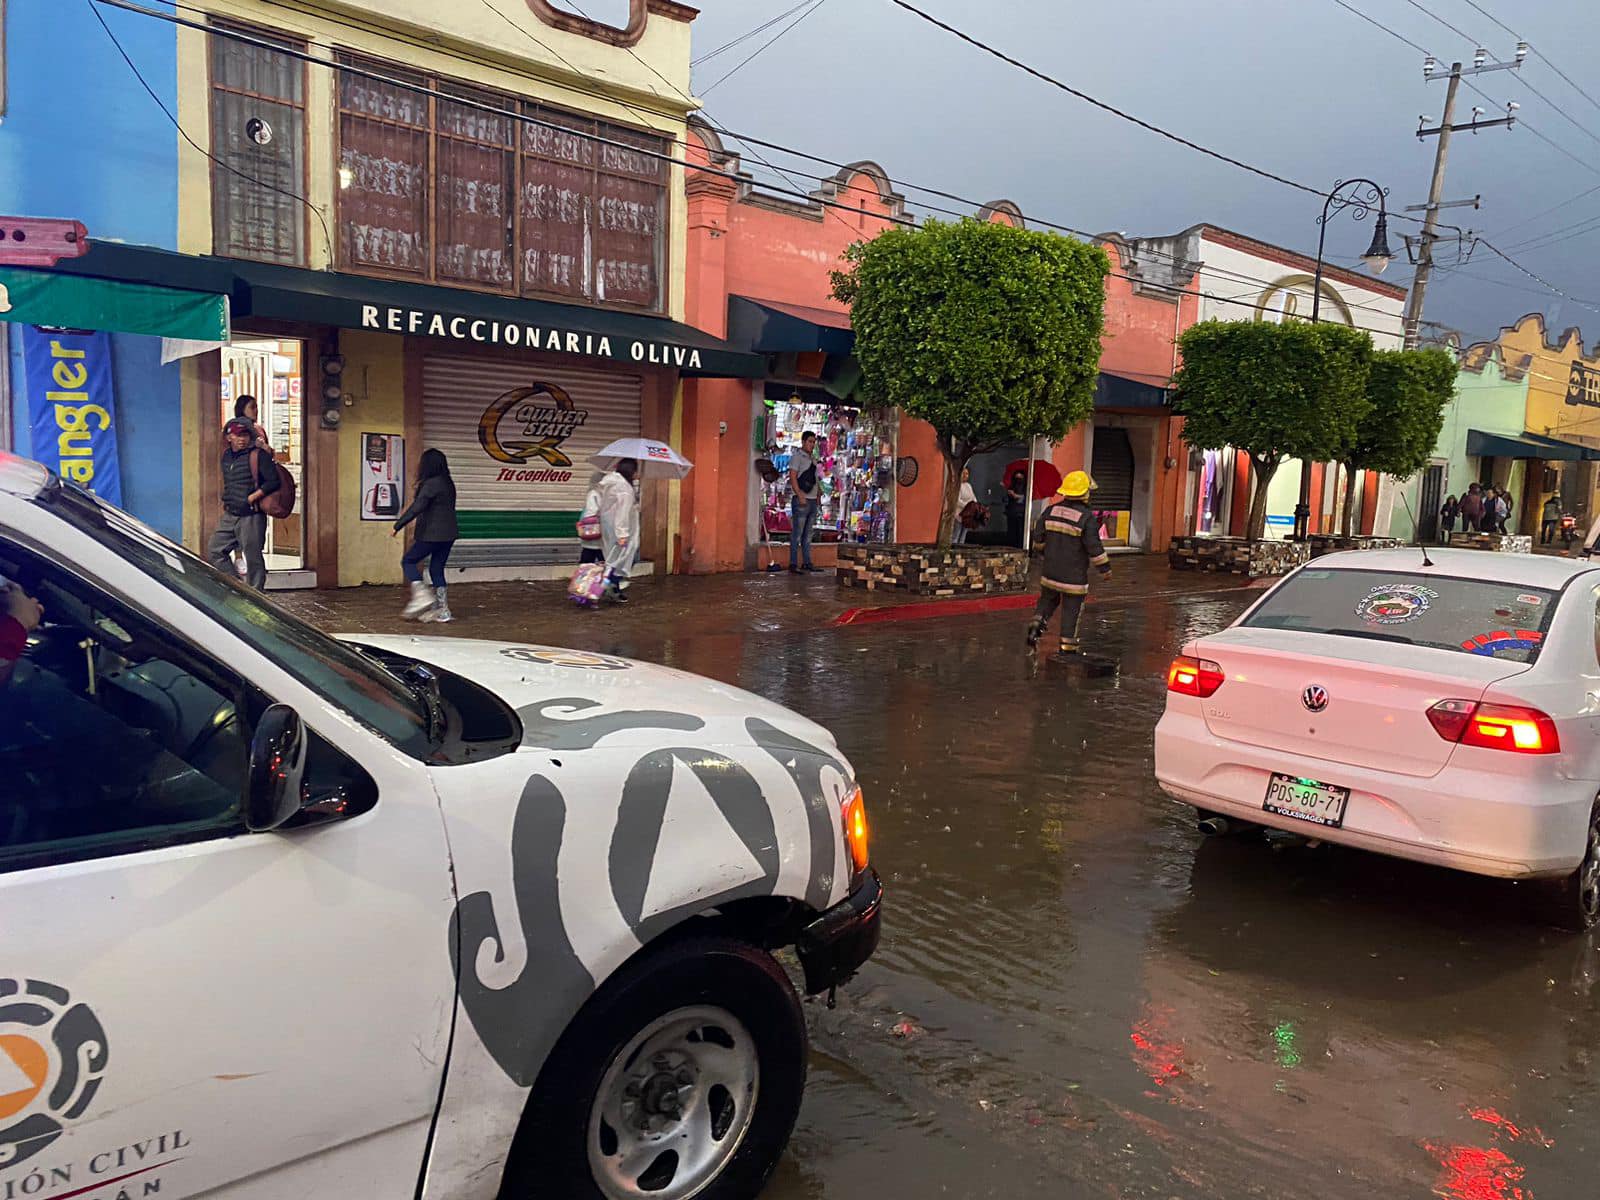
{"points": [[289, 916]]}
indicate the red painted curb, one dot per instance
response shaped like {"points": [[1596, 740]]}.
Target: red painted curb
{"points": [[933, 608]]}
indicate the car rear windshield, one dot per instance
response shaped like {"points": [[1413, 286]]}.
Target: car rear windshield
{"points": [[1471, 616]]}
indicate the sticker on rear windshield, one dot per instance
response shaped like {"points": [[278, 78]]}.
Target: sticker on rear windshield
{"points": [[1395, 603], [1503, 640], [1529, 600]]}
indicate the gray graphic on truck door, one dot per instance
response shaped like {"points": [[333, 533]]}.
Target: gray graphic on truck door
{"points": [[520, 1024]]}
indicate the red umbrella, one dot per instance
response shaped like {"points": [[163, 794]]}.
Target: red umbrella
{"points": [[1046, 479]]}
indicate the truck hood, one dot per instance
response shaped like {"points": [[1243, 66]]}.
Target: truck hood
{"points": [[556, 691]]}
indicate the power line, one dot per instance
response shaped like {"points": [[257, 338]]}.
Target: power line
{"points": [[1455, 29], [764, 47], [1374, 21], [1546, 212], [514, 115], [1101, 104], [745, 37], [1537, 53]]}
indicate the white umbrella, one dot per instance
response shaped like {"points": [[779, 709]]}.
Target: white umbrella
{"points": [[655, 459]]}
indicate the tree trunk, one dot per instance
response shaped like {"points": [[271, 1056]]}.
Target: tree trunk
{"points": [[956, 456], [1263, 473], [1349, 499]]}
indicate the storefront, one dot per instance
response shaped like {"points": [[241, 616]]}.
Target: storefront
{"points": [[855, 453], [89, 382], [355, 376]]}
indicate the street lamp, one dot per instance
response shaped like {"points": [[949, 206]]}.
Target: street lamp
{"points": [[1366, 196]]}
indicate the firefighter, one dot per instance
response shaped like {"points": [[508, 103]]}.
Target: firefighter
{"points": [[1069, 535]]}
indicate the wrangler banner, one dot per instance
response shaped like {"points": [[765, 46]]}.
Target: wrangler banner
{"points": [[72, 407]]}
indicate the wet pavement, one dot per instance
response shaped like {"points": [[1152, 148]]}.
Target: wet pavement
{"points": [[1078, 997]]}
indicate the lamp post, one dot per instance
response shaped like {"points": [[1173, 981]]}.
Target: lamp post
{"points": [[1366, 196]]}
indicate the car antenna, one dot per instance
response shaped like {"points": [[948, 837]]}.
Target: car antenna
{"points": [[1426, 561]]}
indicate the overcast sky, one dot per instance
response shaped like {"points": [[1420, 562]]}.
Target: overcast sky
{"points": [[1303, 88]]}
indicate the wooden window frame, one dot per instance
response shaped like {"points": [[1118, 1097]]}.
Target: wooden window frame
{"points": [[303, 107], [520, 106]]}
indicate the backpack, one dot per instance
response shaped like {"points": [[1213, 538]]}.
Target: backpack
{"points": [[278, 504]]}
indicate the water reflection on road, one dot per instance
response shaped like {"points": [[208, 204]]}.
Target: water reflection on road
{"points": [[1076, 997]]}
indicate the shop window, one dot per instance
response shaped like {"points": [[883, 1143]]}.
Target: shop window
{"points": [[258, 146], [855, 456], [383, 175]]}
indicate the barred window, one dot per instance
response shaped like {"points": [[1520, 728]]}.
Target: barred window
{"points": [[258, 143], [449, 189]]}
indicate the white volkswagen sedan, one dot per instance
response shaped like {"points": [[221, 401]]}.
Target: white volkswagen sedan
{"points": [[1442, 709]]}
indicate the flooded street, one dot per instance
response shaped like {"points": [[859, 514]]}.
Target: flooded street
{"points": [[1076, 997]]}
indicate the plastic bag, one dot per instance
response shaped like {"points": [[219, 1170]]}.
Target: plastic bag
{"points": [[588, 584]]}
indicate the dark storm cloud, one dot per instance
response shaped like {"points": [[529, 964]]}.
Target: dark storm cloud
{"points": [[1300, 87]]}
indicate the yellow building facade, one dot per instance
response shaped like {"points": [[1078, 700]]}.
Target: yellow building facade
{"points": [[452, 225], [1563, 403]]}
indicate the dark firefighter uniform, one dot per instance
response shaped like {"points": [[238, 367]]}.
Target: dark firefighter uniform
{"points": [[1070, 534]]}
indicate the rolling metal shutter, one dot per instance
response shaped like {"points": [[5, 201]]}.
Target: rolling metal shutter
{"points": [[1112, 469], [530, 519]]}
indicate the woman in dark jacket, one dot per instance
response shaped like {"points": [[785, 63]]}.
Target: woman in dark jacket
{"points": [[1447, 519], [434, 511], [1016, 508]]}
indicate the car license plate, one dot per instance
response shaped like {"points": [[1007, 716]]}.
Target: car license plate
{"points": [[1306, 800]]}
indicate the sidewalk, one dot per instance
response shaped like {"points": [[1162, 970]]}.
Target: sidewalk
{"points": [[682, 606]]}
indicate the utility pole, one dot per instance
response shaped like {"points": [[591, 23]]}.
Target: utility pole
{"points": [[1446, 126]]}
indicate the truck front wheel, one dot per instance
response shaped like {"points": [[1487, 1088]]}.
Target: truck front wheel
{"points": [[681, 1077]]}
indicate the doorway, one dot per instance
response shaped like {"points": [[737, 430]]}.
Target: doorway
{"points": [[1430, 503], [273, 370]]}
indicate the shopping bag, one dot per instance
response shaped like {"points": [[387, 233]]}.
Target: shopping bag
{"points": [[589, 527], [588, 584]]}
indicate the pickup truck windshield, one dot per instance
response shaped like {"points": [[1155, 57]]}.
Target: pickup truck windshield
{"points": [[342, 675]]}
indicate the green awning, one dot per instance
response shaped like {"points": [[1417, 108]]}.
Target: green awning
{"points": [[82, 302]]}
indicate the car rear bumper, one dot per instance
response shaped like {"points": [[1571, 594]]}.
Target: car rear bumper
{"points": [[1470, 820], [833, 947]]}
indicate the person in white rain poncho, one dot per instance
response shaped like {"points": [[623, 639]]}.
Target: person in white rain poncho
{"points": [[619, 525]]}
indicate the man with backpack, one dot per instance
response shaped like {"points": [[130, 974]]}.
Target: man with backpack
{"points": [[1471, 509], [248, 476], [804, 504]]}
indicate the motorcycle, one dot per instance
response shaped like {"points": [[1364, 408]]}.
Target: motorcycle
{"points": [[1569, 529]]}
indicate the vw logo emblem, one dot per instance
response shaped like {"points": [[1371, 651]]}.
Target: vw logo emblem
{"points": [[1315, 697]]}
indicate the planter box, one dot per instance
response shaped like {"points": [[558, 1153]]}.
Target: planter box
{"points": [[1333, 543], [1237, 556], [1502, 543], [930, 571]]}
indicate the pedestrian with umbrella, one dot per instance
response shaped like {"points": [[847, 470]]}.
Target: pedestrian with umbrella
{"points": [[625, 462]]}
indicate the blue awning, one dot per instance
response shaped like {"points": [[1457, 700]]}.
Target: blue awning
{"points": [[1116, 391], [1526, 445], [768, 327]]}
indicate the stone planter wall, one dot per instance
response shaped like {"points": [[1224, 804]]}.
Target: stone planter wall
{"points": [[1501, 543], [930, 571], [1333, 543], [1237, 556]]}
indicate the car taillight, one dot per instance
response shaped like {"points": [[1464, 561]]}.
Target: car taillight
{"points": [[855, 831], [1495, 726], [1194, 676]]}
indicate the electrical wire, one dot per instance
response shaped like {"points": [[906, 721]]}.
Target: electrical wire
{"points": [[1546, 212], [745, 37], [184, 133], [1101, 104], [764, 47], [804, 197], [1537, 53]]}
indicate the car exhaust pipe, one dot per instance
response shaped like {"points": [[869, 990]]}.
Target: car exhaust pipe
{"points": [[1214, 826]]}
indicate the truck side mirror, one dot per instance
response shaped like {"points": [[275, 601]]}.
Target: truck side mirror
{"points": [[275, 787]]}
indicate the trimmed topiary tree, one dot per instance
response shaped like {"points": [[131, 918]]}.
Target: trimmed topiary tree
{"points": [[989, 333], [1407, 393], [1274, 391]]}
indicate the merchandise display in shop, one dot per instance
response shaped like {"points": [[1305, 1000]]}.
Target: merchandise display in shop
{"points": [[855, 459]]}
